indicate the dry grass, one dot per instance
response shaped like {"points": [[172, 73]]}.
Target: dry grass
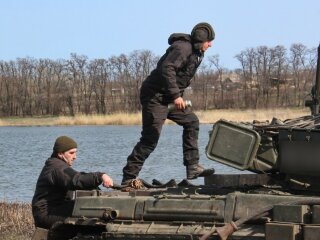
{"points": [[113, 119], [135, 118], [249, 114], [16, 221]]}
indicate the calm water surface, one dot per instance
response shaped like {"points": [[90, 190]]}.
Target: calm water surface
{"points": [[23, 151]]}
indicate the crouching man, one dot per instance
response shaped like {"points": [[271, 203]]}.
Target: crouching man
{"points": [[50, 202]]}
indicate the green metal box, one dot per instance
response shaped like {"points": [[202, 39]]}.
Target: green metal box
{"points": [[311, 232], [299, 151], [316, 214], [233, 144], [292, 213], [282, 231]]}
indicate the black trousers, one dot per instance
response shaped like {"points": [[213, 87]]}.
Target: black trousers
{"points": [[154, 114], [46, 217]]}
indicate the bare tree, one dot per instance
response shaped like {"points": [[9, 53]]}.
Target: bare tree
{"points": [[203, 88], [268, 78], [99, 74], [215, 61], [77, 65], [298, 53], [140, 65], [246, 59], [281, 68]]}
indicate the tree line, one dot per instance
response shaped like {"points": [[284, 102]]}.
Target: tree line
{"points": [[268, 77]]}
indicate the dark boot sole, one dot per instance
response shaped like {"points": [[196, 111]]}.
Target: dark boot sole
{"points": [[206, 172]]}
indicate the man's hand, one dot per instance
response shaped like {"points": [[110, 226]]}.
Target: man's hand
{"points": [[179, 103], [107, 181]]}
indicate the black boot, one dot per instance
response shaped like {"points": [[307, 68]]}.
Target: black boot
{"points": [[196, 170]]}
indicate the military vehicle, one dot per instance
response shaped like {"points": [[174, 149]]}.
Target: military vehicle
{"points": [[277, 199]]}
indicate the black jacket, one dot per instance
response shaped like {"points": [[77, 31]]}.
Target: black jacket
{"points": [[56, 179], [174, 70]]}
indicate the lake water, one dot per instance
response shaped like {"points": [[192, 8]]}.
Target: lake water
{"points": [[23, 151]]}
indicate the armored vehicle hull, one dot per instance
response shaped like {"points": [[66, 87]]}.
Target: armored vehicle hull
{"points": [[279, 200], [193, 212]]}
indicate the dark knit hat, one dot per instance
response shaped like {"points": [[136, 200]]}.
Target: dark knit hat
{"points": [[63, 144], [202, 32]]}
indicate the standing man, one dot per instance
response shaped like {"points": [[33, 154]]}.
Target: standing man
{"points": [[50, 202], [166, 85]]}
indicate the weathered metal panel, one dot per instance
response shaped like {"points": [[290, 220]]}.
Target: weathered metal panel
{"points": [[176, 230], [96, 206], [316, 214], [184, 209], [311, 232], [233, 144], [247, 204], [292, 213], [283, 231], [230, 207], [139, 236], [237, 180], [299, 151]]}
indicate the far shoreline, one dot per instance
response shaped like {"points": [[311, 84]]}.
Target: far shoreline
{"points": [[205, 117]]}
